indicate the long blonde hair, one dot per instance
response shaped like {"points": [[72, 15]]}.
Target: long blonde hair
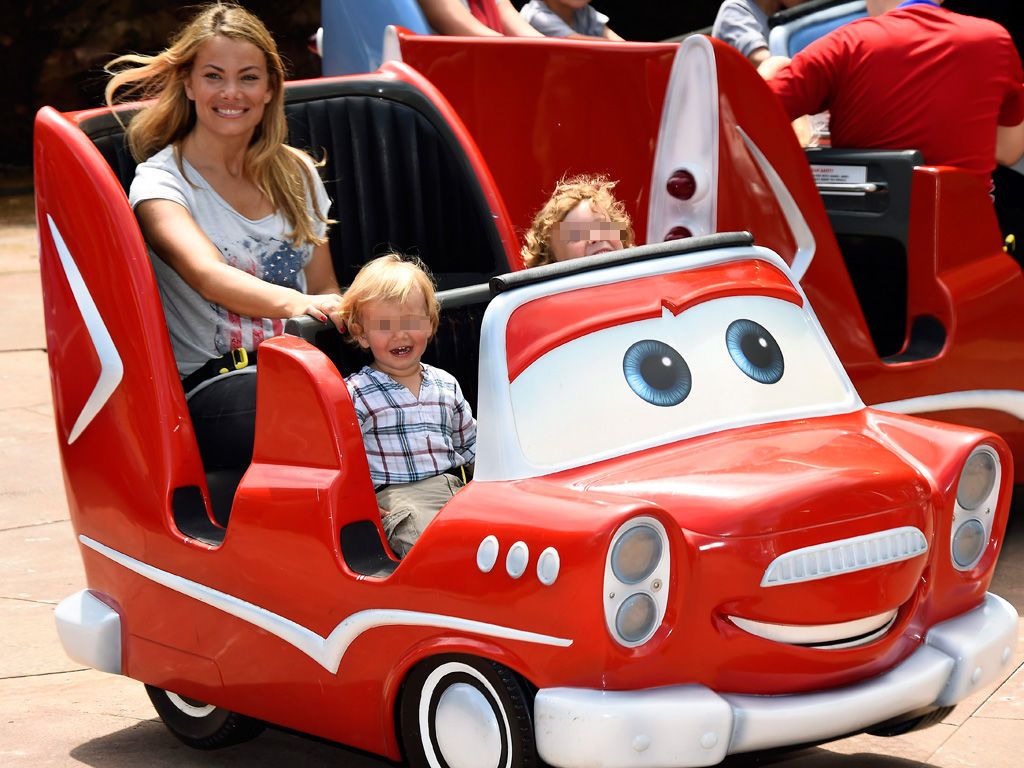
{"points": [[570, 192], [280, 172]]}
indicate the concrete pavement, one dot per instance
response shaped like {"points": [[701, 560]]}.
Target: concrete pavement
{"points": [[54, 713]]}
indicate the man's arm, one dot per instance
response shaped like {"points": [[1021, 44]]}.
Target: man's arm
{"points": [[1009, 144]]}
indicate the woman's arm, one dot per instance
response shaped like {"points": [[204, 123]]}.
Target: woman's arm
{"points": [[450, 17], [513, 23], [175, 237]]}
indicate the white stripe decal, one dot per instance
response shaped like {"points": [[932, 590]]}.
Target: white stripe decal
{"points": [[1009, 401], [111, 367], [805, 243], [327, 652]]}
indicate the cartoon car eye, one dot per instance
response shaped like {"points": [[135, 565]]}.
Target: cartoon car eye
{"points": [[652, 381], [755, 351], [657, 372]]}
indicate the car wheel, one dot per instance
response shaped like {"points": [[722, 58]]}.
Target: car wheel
{"points": [[202, 725], [915, 722], [465, 712]]}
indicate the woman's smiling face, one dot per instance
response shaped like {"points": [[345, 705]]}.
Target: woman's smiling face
{"points": [[230, 86]]}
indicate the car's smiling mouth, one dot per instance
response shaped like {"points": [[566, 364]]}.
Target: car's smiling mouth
{"points": [[848, 634]]}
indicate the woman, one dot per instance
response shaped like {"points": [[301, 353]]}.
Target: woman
{"points": [[236, 221]]}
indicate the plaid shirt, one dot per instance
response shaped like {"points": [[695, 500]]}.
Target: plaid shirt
{"points": [[409, 438]]}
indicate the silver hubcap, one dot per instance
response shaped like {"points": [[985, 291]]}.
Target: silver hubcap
{"points": [[468, 734]]}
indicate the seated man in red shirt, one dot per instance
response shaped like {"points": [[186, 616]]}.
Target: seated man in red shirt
{"points": [[914, 76]]}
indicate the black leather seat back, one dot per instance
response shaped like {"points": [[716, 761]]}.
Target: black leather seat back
{"points": [[398, 178]]}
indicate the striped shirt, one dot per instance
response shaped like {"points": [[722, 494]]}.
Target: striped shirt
{"points": [[411, 438]]}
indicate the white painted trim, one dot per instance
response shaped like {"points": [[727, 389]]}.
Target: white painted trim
{"points": [[687, 140], [805, 243], [111, 367], [325, 651], [1009, 401]]}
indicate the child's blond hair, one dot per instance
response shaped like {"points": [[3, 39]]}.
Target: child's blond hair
{"points": [[570, 192], [391, 277]]}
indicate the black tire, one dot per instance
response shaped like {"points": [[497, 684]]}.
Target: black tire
{"points": [[460, 695], [201, 725], [914, 721]]}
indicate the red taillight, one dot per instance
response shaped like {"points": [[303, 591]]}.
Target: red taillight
{"points": [[678, 233], [682, 185]]}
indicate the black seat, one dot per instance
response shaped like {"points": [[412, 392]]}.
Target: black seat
{"points": [[872, 230]]}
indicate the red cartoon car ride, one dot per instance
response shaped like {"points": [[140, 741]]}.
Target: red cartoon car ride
{"points": [[686, 537]]}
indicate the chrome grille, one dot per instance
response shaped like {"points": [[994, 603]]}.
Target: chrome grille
{"points": [[822, 561]]}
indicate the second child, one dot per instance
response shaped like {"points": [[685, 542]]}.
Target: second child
{"points": [[418, 429]]}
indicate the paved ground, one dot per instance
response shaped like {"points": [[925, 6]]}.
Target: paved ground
{"points": [[53, 713]]}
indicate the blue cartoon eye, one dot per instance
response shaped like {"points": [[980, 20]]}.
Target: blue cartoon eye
{"points": [[755, 351], [657, 373]]}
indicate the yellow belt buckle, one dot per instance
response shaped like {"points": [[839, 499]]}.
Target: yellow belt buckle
{"points": [[239, 359]]}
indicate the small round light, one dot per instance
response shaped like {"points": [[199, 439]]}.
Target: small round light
{"points": [[635, 618], [678, 233], [682, 185], [517, 559], [636, 554], [968, 543], [547, 566], [976, 480], [487, 554]]}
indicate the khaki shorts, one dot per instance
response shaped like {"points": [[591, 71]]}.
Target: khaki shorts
{"points": [[407, 508]]}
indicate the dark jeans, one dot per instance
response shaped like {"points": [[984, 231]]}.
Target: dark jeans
{"points": [[224, 420]]}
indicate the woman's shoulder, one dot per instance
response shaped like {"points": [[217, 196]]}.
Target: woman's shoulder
{"points": [[159, 176]]}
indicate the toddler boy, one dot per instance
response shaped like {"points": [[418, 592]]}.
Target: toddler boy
{"points": [[418, 429]]}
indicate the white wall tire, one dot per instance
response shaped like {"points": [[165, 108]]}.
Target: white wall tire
{"points": [[464, 712], [202, 725]]}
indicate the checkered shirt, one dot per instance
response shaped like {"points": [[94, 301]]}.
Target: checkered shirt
{"points": [[409, 438]]}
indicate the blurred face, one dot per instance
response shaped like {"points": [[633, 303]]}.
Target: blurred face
{"points": [[584, 231], [396, 333], [230, 86]]}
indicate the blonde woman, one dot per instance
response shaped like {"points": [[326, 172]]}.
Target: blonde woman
{"points": [[581, 218], [235, 220]]}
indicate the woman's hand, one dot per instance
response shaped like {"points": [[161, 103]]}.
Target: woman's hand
{"points": [[322, 306]]}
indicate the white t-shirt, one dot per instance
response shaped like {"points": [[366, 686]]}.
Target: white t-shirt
{"points": [[200, 330], [742, 24]]}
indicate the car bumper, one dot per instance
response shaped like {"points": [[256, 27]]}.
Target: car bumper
{"points": [[691, 725]]}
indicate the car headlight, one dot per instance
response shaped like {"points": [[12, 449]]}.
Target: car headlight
{"points": [[636, 581], [634, 620], [977, 493], [636, 554], [977, 479], [968, 542]]}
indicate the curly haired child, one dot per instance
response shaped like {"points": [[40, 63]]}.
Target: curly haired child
{"points": [[581, 218]]}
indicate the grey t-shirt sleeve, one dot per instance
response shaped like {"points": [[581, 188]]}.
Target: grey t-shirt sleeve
{"points": [[742, 25], [586, 21], [153, 182]]}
